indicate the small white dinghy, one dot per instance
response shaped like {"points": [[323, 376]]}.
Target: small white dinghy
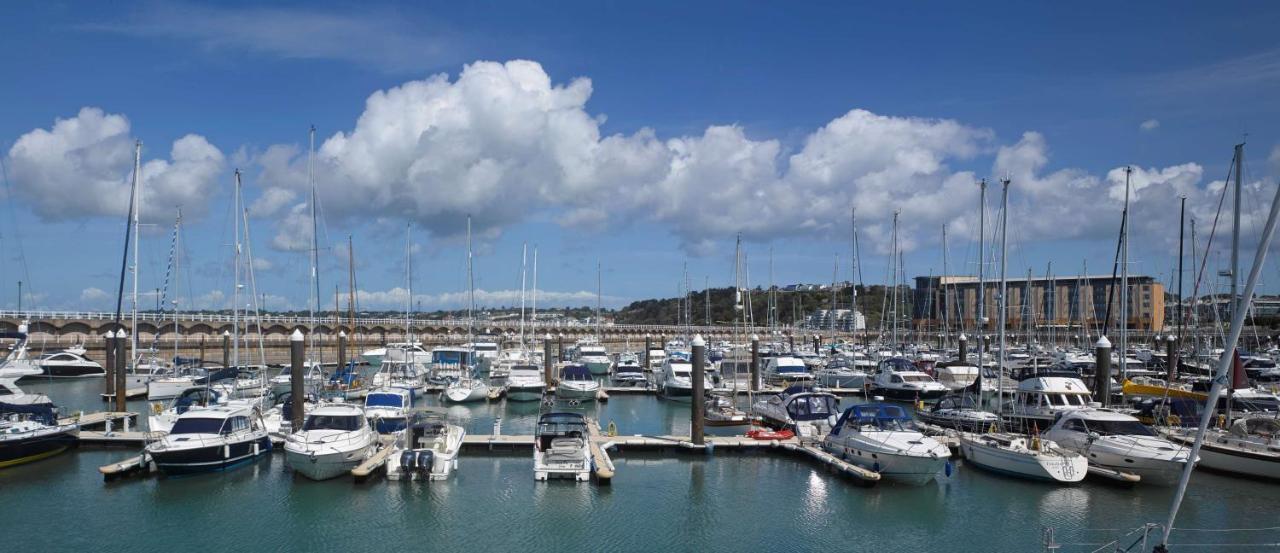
{"points": [[1016, 455]]}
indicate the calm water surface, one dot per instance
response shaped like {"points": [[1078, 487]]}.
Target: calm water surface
{"points": [[685, 502]]}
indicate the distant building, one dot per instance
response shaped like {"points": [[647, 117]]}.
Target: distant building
{"points": [[1062, 302], [846, 320]]}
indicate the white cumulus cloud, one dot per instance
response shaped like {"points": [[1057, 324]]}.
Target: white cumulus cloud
{"points": [[1149, 125], [83, 166]]}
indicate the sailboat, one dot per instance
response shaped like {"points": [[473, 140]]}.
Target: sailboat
{"points": [[467, 387], [1024, 456]]}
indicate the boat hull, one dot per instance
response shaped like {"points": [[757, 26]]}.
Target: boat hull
{"points": [[454, 394], [323, 466], [35, 448], [900, 394], [525, 393], [213, 458], [598, 368], [564, 391], [1029, 465], [70, 371]]}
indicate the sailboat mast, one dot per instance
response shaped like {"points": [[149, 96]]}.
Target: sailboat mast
{"points": [[524, 257], [599, 337], [894, 257], [1004, 292], [408, 280], [982, 259], [471, 293], [315, 254], [856, 278], [534, 316], [235, 283], [944, 304], [351, 285], [177, 229], [137, 205], [1182, 227], [1124, 281]]}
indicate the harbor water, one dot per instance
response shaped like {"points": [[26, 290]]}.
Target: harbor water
{"points": [[677, 501]]}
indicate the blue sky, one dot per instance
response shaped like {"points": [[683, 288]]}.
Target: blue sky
{"points": [[642, 135]]}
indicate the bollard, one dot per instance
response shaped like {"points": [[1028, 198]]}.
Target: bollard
{"points": [[342, 348], [964, 349], [1171, 358], [647, 346], [546, 360], [297, 351], [817, 344], [755, 363], [560, 348], [1102, 386], [109, 343], [226, 348], [696, 406], [202, 339], [122, 358]]}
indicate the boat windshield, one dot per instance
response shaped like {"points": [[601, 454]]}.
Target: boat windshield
{"points": [[917, 378], [1118, 428], [384, 400], [333, 422], [813, 407], [188, 425]]}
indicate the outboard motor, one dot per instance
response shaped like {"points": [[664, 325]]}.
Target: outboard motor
{"points": [[425, 460]]}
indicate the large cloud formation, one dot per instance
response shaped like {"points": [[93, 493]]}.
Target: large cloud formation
{"points": [[502, 142], [83, 166]]}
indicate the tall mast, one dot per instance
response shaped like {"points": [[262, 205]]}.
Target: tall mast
{"points": [[177, 228], [408, 279], [137, 205], [598, 294], [835, 276], [1182, 227], [857, 269], [471, 292], [534, 316], [982, 260], [1235, 230], [351, 285], [1124, 281], [944, 304], [235, 284], [893, 259], [1004, 292], [524, 257], [315, 254]]}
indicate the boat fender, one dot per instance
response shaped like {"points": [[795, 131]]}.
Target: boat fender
{"points": [[613, 429], [255, 449], [948, 468], [1222, 421], [157, 408], [919, 405], [226, 452]]}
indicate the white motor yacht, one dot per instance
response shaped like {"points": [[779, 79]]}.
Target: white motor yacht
{"points": [[215, 438], [576, 383], [526, 383], [560, 448], [334, 439], [882, 437], [899, 379], [1120, 442], [427, 449]]}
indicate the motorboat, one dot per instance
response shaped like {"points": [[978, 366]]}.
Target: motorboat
{"points": [[720, 410], [450, 363], [840, 374], [163, 417], [400, 368], [215, 438], [956, 375], [1023, 456], [485, 352], [899, 379], [560, 447], [656, 358], [676, 380], [466, 390], [786, 370], [593, 356], [882, 437], [1038, 401], [628, 371], [1250, 447], [388, 409], [576, 383], [427, 449], [68, 363], [526, 383], [375, 356], [29, 426], [802, 410], [334, 439], [960, 412], [186, 373], [312, 379], [1119, 442]]}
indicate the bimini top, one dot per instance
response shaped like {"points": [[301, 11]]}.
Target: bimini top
{"points": [[396, 398], [882, 415], [576, 372], [562, 424], [898, 364]]}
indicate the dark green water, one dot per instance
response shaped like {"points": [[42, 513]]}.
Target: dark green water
{"points": [[686, 502]]}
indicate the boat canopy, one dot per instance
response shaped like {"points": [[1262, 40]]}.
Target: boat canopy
{"points": [[195, 396], [812, 406], [40, 412], [386, 399], [880, 415], [962, 401], [450, 356], [898, 364], [576, 372], [562, 424]]}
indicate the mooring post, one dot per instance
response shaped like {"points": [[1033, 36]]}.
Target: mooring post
{"points": [[226, 348], [1171, 357], [699, 374], [964, 348], [297, 352], [1102, 387], [122, 358], [755, 363], [647, 346], [817, 344], [342, 348], [109, 342], [202, 338], [791, 343], [547, 359]]}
